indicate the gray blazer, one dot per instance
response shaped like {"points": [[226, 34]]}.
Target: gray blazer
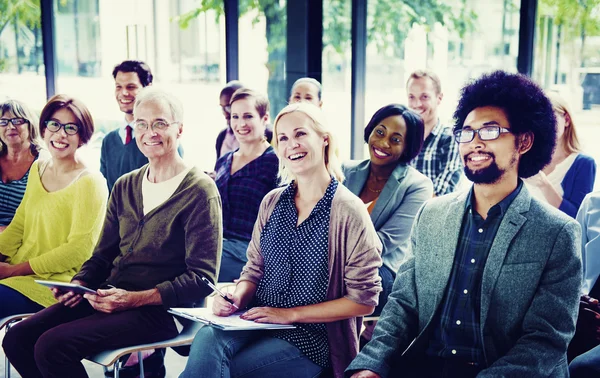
{"points": [[529, 294], [395, 210]]}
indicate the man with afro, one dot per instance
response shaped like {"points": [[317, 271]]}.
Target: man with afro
{"points": [[492, 286]]}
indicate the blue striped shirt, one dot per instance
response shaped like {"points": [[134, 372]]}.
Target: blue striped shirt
{"points": [[11, 194], [457, 333]]}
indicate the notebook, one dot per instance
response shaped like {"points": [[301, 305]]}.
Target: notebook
{"points": [[229, 323]]}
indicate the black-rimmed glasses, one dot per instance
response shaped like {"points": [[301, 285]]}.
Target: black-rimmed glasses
{"points": [[156, 125], [485, 133], [54, 126], [15, 121]]}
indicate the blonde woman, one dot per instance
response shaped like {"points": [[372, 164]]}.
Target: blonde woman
{"points": [[312, 262], [570, 175], [19, 147]]}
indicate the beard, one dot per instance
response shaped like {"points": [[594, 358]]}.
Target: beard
{"points": [[490, 174]]}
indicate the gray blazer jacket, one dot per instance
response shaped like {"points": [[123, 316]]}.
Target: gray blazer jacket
{"points": [[529, 294], [394, 212]]}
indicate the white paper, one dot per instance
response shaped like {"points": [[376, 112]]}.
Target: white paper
{"points": [[229, 323]]}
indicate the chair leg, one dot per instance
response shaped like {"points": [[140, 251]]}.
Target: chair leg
{"points": [[6, 361], [116, 369], [141, 362]]}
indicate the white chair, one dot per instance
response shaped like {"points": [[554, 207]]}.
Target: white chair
{"points": [[7, 323], [113, 357]]}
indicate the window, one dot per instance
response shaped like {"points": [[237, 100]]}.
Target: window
{"points": [[472, 38], [21, 52], [337, 63], [262, 50]]}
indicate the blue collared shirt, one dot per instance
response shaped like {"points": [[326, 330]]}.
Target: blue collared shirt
{"points": [[457, 334]]}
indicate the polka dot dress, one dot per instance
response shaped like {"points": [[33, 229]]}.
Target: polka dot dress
{"points": [[296, 269]]}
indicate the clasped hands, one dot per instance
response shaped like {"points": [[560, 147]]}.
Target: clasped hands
{"points": [[257, 314], [105, 300]]}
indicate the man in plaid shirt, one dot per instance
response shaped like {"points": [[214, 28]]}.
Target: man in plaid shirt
{"points": [[439, 159]]}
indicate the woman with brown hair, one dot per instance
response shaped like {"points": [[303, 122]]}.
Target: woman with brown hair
{"points": [[244, 176], [56, 228]]}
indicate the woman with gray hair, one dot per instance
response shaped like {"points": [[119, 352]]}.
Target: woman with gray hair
{"points": [[19, 148], [312, 262]]}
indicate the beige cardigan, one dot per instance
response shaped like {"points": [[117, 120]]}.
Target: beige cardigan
{"points": [[354, 259]]}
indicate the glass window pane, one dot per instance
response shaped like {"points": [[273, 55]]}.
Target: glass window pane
{"points": [[262, 49], [21, 53], [96, 35], [458, 41], [336, 77], [567, 60]]}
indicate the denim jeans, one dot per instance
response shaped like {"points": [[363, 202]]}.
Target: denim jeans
{"points": [[233, 259], [223, 354], [387, 283], [586, 365], [14, 303]]}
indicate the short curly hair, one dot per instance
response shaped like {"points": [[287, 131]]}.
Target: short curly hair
{"points": [[527, 109], [414, 129]]}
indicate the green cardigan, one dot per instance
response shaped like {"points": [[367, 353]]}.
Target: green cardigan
{"points": [[169, 248]]}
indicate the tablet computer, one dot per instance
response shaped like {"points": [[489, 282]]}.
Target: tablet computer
{"points": [[65, 286]]}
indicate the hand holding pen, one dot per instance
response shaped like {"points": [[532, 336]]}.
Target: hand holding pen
{"points": [[230, 307]]}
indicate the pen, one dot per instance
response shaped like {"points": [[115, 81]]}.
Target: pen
{"points": [[209, 284]]}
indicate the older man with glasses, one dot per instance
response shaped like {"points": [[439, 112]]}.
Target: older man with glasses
{"points": [[492, 286]]}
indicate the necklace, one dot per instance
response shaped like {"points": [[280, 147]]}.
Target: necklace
{"points": [[374, 190]]}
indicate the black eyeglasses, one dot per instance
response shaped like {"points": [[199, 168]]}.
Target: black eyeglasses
{"points": [[15, 121], [54, 126], [485, 133], [157, 125]]}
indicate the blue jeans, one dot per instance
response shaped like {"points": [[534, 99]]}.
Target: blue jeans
{"points": [[233, 259], [586, 365], [14, 303], [223, 354], [387, 283]]}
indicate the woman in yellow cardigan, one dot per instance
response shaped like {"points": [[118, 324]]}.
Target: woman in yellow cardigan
{"points": [[58, 222]]}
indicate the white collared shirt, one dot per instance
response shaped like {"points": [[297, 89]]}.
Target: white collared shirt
{"points": [[123, 131]]}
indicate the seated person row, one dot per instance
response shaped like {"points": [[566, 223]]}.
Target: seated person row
{"points": [[570, 175], [155, 246], [20, 146], [491, 288], [58, 223], [312, 262], [391, 190], [244, 177]]}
